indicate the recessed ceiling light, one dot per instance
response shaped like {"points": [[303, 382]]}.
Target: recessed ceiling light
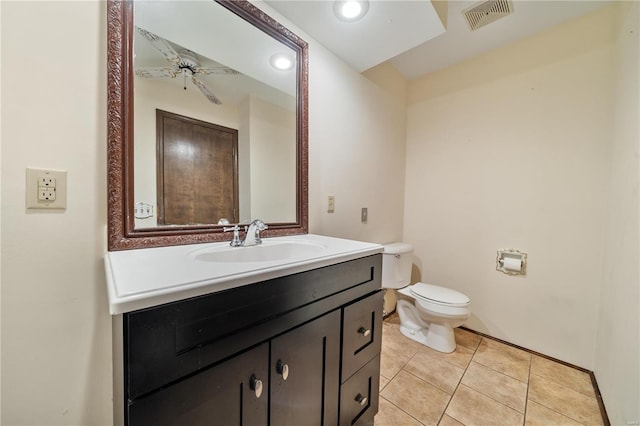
{"points": [[350, 10], [282, 61]]}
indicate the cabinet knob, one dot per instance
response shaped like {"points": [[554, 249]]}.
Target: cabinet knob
{"points": [[256, 386], [362, 400], [282, 369], [364, 331]]}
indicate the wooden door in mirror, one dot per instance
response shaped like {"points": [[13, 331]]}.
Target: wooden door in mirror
{"points": [[197, 171]]}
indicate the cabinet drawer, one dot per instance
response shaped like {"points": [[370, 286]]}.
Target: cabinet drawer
{"points": [[361, 333], [359, 395]]}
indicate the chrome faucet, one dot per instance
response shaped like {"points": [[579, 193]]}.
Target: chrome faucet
{"points": [[252, 236]]}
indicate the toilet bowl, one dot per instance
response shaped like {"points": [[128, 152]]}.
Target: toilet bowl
{"points": [[428, 313]]}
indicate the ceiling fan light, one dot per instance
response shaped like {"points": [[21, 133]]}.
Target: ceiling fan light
{"points": [[282, 61], [350, 10]]}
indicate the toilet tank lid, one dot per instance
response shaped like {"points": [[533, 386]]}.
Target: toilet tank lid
{"points": [[397, 248]]}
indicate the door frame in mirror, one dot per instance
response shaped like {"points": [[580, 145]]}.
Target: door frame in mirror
{"points": [[121, 231]]}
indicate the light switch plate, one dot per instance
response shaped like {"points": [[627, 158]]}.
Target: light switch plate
{"points": [[53, 181], [331, 204]]}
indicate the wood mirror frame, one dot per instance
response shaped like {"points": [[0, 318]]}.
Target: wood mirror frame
{"points": [[122, 234]]}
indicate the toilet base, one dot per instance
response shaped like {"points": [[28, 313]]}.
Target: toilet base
{"points": [[436, 336], [439, 337]]}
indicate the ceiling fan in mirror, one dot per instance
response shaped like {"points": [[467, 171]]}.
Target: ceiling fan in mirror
{"points": [[183, 62]]}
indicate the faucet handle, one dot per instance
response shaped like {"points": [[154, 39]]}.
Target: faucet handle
{"points": [[235, 242]]}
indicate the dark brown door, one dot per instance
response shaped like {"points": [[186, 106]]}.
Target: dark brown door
{"points": [[197, 171]]}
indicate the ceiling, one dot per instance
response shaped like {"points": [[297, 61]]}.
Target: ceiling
{"points": [[205, 28], [411, 35]]}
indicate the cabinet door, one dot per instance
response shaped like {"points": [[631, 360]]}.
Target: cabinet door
{"points": [[304, 374], [226, 394]]}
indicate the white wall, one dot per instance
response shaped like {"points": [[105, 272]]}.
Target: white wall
{"points": [[273, 162], [617, 354], [356, 153], [244, 157], [56, 329], [510, 150]]}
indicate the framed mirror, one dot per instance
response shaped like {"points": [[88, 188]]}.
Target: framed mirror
{"points": [[203, 129]]}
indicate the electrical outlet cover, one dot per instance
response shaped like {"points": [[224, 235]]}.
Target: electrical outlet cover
{"points": [[55, 197]]}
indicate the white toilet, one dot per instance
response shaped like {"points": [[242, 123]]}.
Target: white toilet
{"points": [[428, 313]]}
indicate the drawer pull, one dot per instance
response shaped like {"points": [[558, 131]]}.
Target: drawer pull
{"points": [[256, 386], [362, 400], [282, 369], [364, 331]]}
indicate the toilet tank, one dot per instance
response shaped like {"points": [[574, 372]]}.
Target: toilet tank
{"points": [[397, 259]]}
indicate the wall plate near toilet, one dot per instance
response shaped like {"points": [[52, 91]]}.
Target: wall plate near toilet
{"points": [[511, 262]]}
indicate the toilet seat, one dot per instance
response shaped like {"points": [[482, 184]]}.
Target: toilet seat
{"points": [[439, 295]]}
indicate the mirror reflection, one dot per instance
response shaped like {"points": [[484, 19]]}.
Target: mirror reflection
{"points": [[214, 119]]}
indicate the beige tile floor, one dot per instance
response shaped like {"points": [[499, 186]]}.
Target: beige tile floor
{"points": [[484, 382]]}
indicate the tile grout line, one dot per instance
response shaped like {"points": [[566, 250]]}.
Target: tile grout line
{"points": [[531, 353], [526, 397], [528, 385], [403, 365], [502, 372], [569, 416], [399, 408], [431, 384], [603, 413], [435, 386], [490, 397], [394, 376], [458, 385], [408, 372]]}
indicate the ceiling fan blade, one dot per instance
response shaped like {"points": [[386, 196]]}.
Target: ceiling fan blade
{"points": [[161, 45], [217, 70], [151, 72], [205, 91]]}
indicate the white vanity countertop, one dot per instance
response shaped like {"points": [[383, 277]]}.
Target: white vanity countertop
{"points": [[143, 278]]}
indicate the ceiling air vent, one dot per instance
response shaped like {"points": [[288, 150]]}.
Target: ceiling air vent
{"points": [[486, 12]]}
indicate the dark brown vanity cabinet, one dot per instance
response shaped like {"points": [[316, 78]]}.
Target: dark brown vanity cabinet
{"points": [[297, 350]]}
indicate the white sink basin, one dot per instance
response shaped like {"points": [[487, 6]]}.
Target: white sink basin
{"points": [[268, 251], [141, 278]]}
